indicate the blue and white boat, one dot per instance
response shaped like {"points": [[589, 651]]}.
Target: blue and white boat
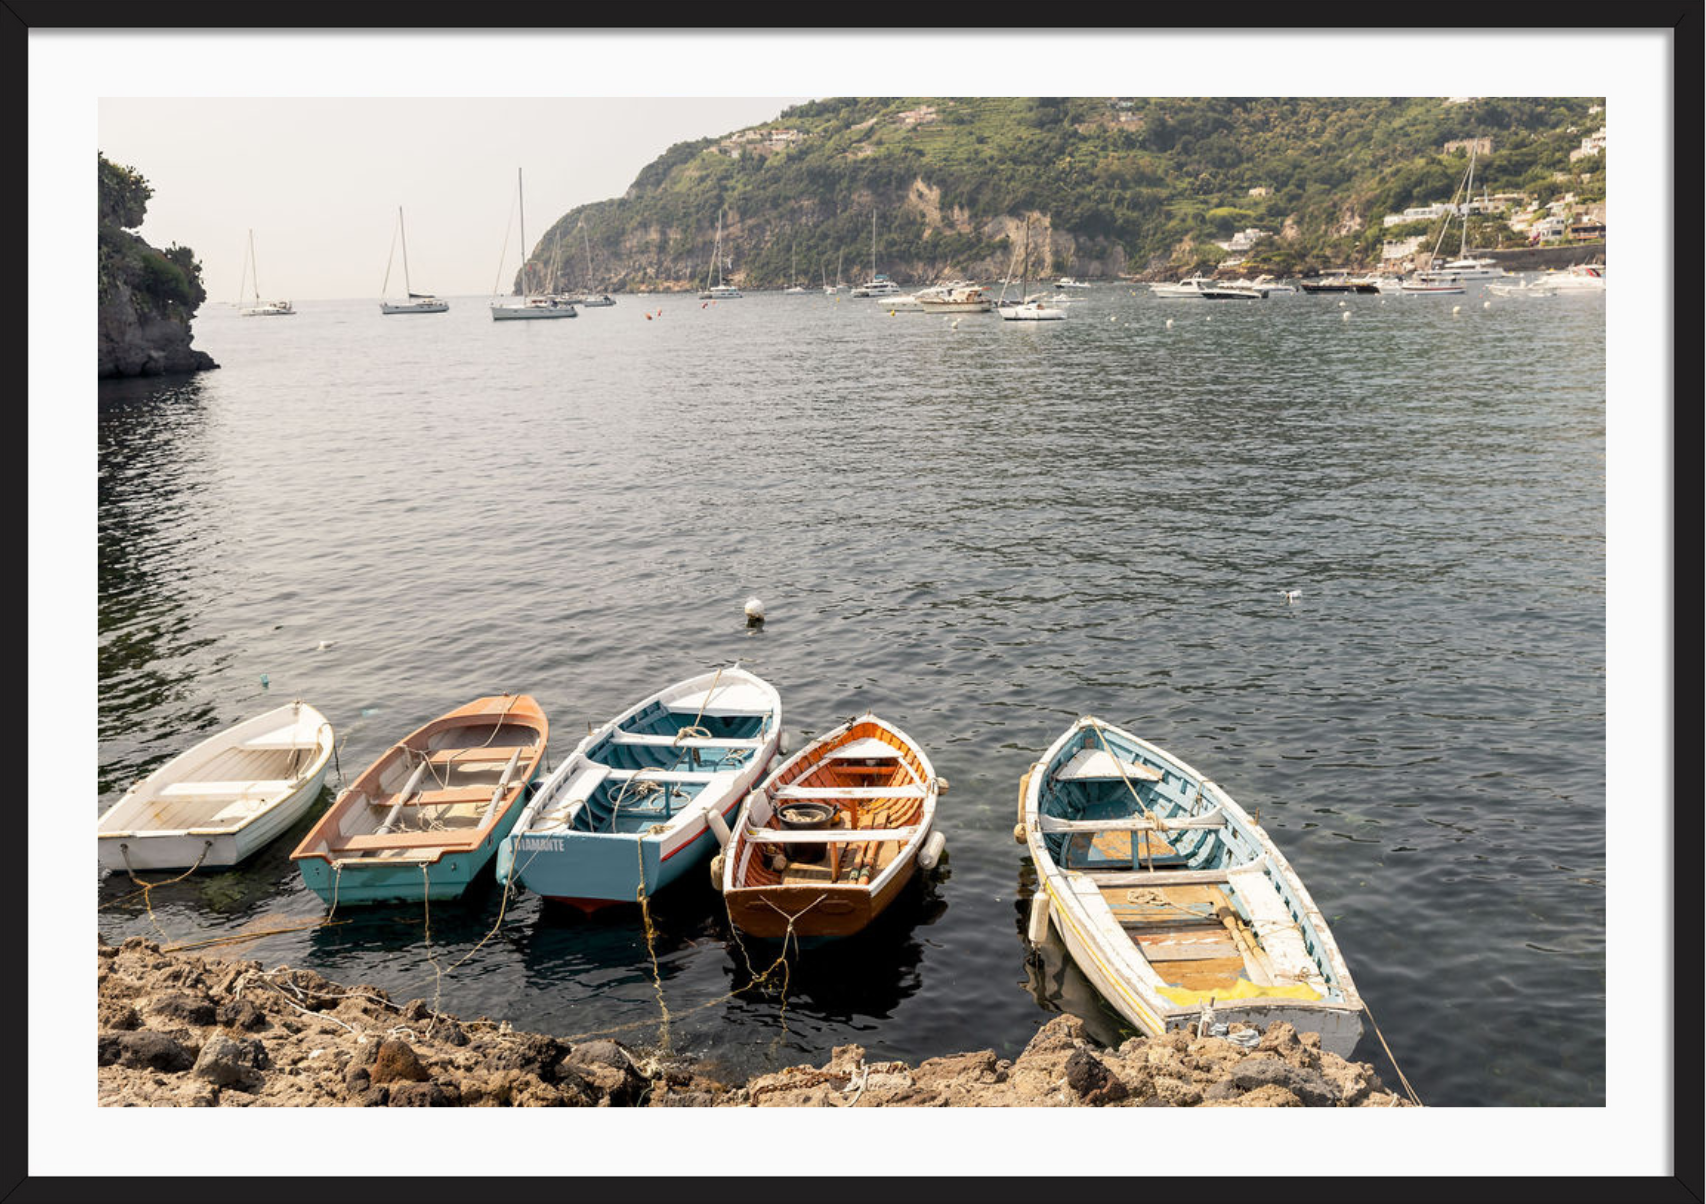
{"points": [[629, 811], [1171, 899]]}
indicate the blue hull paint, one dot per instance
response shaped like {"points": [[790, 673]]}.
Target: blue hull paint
{"points": [[598, 865], [394, 882]]}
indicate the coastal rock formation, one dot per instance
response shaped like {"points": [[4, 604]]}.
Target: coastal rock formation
{"points": [[178, 1030], [146, 296]]}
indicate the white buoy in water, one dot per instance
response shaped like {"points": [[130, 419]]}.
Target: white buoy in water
{"points": [[1486, 305], [1169, 323], [1341, 305], [322, 645], [1346, 316], [754, 612], [1291, 595], [1456, 309]]}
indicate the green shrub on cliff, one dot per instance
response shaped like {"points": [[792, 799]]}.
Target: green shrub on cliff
{"points": [[159, 281]]}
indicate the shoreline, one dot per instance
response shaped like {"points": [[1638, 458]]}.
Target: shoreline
{"points": [[182, 1030]]}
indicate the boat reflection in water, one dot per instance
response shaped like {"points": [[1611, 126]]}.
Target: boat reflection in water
{"points": [[1054, 979]]}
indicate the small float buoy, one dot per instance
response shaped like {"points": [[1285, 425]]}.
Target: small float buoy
{"points": [[1037, 928], [754, 612], [1169, 323], [1341, 305], [322, 645], [1486, 305], [1456, 309], [719, 828], [1291, 595], [264, 681], [1346, 316]]}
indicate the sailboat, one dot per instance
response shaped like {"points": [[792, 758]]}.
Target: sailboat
{"points": [[879, 285], [1450, 277], [796, 289], [592, 300], [718, 291], [1026, 309], [531, 305], [414, 303], [260, 309]]}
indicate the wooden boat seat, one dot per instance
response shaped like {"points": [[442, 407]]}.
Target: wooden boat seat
{"points": [[805, 792], [828, 835], [1105, 878], [437, 798], [1131, 823], [302, 733], [685, 741], [255, 786], [462, 758], [1094, 764]]}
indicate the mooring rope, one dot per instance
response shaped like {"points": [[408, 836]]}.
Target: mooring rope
{"points": [[1408, 1090]]}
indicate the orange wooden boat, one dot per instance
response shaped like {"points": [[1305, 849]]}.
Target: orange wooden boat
{"points": [[427, 816], [833, 835]]}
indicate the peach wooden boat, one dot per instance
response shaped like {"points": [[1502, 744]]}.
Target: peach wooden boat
{"points": [[426, 817], [833, 835]]}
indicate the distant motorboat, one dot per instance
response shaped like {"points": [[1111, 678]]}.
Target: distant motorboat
{"points": [[958, 298], [1202, 288]]}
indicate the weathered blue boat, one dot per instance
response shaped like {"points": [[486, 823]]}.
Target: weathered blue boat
{"points": [[428, 815], [1173, 901], [637, 803]]}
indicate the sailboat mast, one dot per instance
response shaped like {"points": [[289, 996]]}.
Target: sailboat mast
{"points": [[408, 288], [1468, 192], [873, 243], [254, 268], [521, 211]]}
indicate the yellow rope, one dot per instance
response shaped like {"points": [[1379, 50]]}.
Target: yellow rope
{"points": [[651, 937]]}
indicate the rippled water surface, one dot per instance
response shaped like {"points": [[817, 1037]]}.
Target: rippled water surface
{"points": [[981, 532]]}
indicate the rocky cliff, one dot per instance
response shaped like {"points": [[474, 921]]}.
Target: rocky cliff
{"points": [[146, 296]]}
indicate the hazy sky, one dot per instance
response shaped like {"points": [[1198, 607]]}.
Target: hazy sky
{"points": [[319, 180]]}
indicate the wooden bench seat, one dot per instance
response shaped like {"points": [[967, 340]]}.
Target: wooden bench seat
{"points": [[438, 798], [805, 792], [1131, 823], [253, 787]]}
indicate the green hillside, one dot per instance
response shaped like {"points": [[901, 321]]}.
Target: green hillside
{"points": [[1110, 186]]}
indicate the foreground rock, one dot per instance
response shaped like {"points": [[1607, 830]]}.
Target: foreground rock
{"points": [[181, 1030]]}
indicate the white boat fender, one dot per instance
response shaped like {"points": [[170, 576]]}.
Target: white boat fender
{"points": [[719, 829], [717, 873], [1018, 833], [931, 853], [1037, 929]]}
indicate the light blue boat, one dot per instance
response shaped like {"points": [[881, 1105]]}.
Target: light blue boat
{"points": [[631, 808]]}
